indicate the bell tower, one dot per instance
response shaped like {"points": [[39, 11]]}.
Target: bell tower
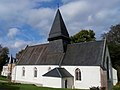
{"points": [[58, 36]]}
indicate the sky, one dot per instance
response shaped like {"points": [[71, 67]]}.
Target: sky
{"points": [[28, 22]]}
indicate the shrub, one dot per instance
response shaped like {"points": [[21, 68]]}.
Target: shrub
{"points": [[116, 87], [94, 88], [103, 88]]}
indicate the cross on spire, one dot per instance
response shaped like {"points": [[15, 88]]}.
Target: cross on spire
{"points": [[58, 29], [58, 5]]}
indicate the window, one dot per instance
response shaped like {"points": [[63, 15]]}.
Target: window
{"points": [[23, 71], [35, 72], [77, 74]]}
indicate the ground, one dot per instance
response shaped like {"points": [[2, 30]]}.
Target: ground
{"points": [[6, 85]]}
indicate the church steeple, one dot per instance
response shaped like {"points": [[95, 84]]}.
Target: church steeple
{"points": [[58, 36], [58, 30]]}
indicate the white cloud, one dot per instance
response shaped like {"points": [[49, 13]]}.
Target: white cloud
{"points": [[41, 19], [20, 44], [98, 15], [74, 9], [95, 14], [13, 32], [81, 13]]}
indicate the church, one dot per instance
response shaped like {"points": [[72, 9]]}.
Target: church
{"points": [[60, 64]]}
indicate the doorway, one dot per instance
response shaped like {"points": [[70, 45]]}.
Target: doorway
{"points": [[66, 83]]}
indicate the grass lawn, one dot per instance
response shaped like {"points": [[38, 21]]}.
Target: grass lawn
{"points": [[15, 86], [117, 87], [3, 78], [12, 86]]}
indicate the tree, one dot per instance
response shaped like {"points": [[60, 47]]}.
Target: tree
{"points": [[113, 40], [83, 36], [113, 36], [4, 51]]}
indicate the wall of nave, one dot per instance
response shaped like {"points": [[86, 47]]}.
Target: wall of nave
{"points": [[29, 73]]}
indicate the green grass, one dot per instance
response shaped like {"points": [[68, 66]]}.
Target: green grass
{"points": [[3, 78], [18, 86], [117, 87], [13, 86]]}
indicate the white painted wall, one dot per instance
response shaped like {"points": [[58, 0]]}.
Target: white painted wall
{"points": [[115, 79], [52, 82], [103, 78], [4, 71], [70, 82], [90, 76], [29, 73]]}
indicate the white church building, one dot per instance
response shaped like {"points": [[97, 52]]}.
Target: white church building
{"points": [[60, 64]]}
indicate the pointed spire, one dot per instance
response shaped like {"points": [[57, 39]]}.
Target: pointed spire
{"points": [[58, 30]]}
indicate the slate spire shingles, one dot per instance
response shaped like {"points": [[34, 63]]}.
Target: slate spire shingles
{"points": [[58, 29]]}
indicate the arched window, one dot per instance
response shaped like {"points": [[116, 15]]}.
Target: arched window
{"points": [[35, 72], [23, 71], [77, 74]]}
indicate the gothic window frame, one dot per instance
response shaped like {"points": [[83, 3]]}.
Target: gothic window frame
{"points": [[78, 74], [23, 71], [35, 72]]}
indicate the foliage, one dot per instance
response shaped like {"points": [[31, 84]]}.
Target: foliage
{"points": [[3, 78], [113, 40], [94, 88], [83, 36], [4, 51], [115, 53], [113, 36], [116, 87], [7, 86], [97, 88]]}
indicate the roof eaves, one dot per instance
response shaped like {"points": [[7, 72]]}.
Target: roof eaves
{"points": [[103, 52]]}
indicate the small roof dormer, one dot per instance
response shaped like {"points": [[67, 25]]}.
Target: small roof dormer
{"points": [[58, 29]]}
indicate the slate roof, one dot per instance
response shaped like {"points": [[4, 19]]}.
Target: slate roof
{"points": [[58, 29], [83, 54], [39, 55], [58, 72]]}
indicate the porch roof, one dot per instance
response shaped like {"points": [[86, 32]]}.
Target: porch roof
{"points": [[58, 72]]}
